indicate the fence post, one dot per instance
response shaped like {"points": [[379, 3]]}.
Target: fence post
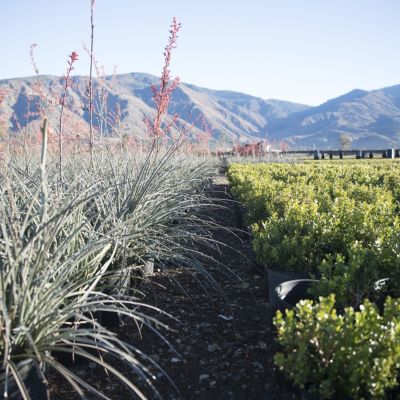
{"points": [[390, 153]]}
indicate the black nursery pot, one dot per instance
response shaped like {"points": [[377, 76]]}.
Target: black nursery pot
{"points": [[108, 319], [69, 359], [37, 389], [380, 287], [289, 293], [239, 211], [111, 319], [275, 278]]}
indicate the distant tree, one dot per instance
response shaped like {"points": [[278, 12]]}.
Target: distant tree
{"points": [[345, 141]]}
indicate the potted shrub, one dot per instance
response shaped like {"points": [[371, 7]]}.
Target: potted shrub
{"points": [[351, 356], [287, 245], [306, 215], [367, 272]]}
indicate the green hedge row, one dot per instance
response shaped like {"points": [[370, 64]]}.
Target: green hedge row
{"points": [[340, 220]]}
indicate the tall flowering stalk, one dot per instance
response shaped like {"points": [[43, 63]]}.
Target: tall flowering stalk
{"points": [[91, 80], [3, 94], [162, 93], [4, 134], [67, 83], [44, 99], [37, 86], [203, 137]]}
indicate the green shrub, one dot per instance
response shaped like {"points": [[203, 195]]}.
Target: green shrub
{"points": [[303, 214], [289, 241], [355, 355], [351, 280]]}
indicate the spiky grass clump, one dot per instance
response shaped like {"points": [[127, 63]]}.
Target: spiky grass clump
{"points": [[61, 243], [48, 288]]}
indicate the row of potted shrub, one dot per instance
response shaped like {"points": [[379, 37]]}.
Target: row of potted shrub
{"points": [[336, 228]]}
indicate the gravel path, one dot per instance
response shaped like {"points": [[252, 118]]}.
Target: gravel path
{"points": [[223, 345]]}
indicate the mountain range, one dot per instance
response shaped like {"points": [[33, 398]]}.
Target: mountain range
{"points": [[370, 118]]}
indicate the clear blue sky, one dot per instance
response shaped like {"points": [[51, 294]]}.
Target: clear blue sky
{"points": [[299, 50]]}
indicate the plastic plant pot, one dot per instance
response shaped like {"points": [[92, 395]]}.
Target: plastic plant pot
{"points": [[32, 379], [289, 293], [380, 287], [275, 278]]}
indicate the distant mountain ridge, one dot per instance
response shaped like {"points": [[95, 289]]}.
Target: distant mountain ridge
{"points": [[370, 118]]}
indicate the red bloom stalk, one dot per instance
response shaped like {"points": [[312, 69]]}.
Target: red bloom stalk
{"points": [[44, 100], [67, 83], [32, 56], [162, 93], [91, 81]]}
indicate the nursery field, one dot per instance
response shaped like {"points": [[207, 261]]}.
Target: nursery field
{"points": [[75, 247], [331, 231], [138, 262], [219, 346], [122, 275], [125, 277]]}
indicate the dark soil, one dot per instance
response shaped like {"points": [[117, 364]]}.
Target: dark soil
{"points": [[222, 342]]}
